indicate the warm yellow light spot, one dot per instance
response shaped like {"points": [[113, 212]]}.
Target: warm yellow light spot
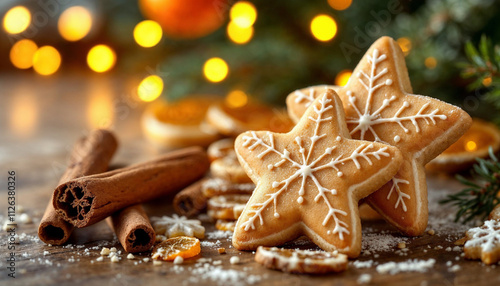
{"points": [[236, 98], [101, 58], [343, 77], [21, 54], [148, 33], [150, 88], [430, 62], [323, 28], [405, 45], [46, 60], [215, 69], [24, 112], [340, 4], [243, 14], [239, 35], [75, 23], [16, 20], [101, 104], [470, 146], [487, 81]]}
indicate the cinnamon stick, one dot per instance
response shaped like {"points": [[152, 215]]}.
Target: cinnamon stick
{"points": [[190, 201], [90, 155], [87, 200], [133, 229]]}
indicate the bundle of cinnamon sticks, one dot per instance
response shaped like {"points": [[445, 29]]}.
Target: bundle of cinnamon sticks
{"points": [[86, 194]]}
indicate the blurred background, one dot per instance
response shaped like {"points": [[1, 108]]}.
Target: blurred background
{"points": [[237, 50]]}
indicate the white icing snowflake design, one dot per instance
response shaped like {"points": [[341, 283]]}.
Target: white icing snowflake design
{"points": [[307, 96], [306, 164], [487, 236], [368, 117], [177, 226]]}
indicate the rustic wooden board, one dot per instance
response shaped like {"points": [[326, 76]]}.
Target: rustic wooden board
{"points": [[37, 151]]}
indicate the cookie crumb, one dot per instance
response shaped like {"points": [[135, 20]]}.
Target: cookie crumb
{"points": [[178, 260], [364, 279], [99, 259], [130, 256], [221, 250], [431, 232], [156, 262], [105, 251], [115, 259], [145, 259], [234, 260], [113, 249], [402, 245]]}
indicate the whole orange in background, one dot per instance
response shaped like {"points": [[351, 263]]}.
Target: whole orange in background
{"points": [[186, 19]]}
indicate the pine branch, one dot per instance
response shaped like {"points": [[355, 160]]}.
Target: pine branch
{"points": [[481, 194], [484, 68]]}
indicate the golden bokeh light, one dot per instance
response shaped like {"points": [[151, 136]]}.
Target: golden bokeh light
{"points": [[215, 69], [405, 45], [239, 35], [343, 77], [22, 52], [75, 23], [16, 20], [46, 60], [243, 14], [148, 33], [236, 98], [487, 81], [323, 28], [430, 62], [101, 104], [470, 146], [24, 112], [340, 4], [101, 58], [150, 88]]}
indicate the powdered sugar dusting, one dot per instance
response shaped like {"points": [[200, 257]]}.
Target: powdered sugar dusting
{"points": [[222, 276], [219, 234], [380, 242], [406, 266]]}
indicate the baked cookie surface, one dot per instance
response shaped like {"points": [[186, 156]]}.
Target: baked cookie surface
{"points": [[380, 107], [309, 181]]}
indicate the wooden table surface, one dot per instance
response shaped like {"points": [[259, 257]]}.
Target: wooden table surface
{"points": [[40, 119]]}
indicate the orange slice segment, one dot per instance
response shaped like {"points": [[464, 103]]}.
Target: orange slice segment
{"points": [[179, 124], [183, 246], [463, 153], [232, 121]]}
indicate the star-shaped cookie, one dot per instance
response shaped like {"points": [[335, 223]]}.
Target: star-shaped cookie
{"points": [[380, 107], [309, 181]]}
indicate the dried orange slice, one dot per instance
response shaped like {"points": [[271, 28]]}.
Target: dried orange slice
{"points": [[463, 153], [183, 246], [225, 225], [179, 124], [232, 121]]}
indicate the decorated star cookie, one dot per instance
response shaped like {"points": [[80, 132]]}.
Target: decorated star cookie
{"points": [[309, 181], [484, 242], [380, 107]]}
